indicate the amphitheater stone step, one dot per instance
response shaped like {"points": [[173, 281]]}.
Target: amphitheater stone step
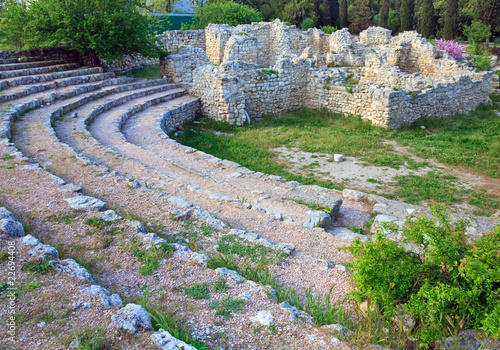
{"points": [[42, 70], [40, 78], [19, 66]]}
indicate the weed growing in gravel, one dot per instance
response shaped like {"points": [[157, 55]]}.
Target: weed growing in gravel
{"points": [[61, 218], [40, 266], [6, 157], [230, 244], [198, 291], [97, 223], [221, 285], [91, 339], [151, 259], [226, 306], [4, 257], [33, 285], [170, 322]]}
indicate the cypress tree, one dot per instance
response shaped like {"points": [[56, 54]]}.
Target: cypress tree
{"points": [[343, 13], [384, 14], [334, 11], [450, 30], [427, 23], [327, 18], [407, 12]]}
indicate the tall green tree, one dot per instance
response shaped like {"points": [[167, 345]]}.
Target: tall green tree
{"points": [[488, 12], [343, 13], [450, 30], [384, 13], [327, 15], [427, 18], [334, 11], [99, 29], [361, 17], [407, 14], [298, 10]]}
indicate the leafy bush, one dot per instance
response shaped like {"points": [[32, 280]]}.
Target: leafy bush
{"points": [[307, 23], [482, 63], [228, 12], [446, 282], [453, 48], [477, 32], [328, 29]]}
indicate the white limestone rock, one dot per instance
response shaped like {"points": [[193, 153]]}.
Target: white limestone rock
{"points": [[165, 341], [296, 313], [72, 268], [110, 216], [86, 203], [131, 318], [230, 275], [265, 318], [42, 251], [29, 241]]}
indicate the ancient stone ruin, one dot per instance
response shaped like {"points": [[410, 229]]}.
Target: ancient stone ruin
{"points": [[266, 68]]}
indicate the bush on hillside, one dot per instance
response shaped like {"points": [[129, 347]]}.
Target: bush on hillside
{"points": [[448, 285]]}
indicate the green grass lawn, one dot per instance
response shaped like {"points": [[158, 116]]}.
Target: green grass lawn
{"points": [[470, 140], [153, 71]]}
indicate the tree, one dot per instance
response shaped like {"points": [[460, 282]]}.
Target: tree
{"points": [[450, 30], [488, 12], [384, 14], [334, 11], [327, 16], [343, 13], [407, 13], [99, 29], [361, 17], [228, 12], [427, 22], [297, 10]]}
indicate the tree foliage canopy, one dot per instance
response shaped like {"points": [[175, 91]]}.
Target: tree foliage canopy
{"points": [[98, 28], [225, 12]]}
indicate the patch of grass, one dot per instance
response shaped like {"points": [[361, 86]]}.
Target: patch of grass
{"points": [[6, 157], [151, 259], [61, 218], [4, 257], [230, 244], [221, 285], [92, 339], [153, 71], [97, 223], [269, 71], [198, 291], [40, 266], [226, 306], [33, 285], [170, 322]]}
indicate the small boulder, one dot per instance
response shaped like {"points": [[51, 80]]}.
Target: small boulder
{"points": [[165, 341], [343, 233], [137, 226], [29, 241], [265, 318], [110, 216], [296, 313], [11, 227], [353, 195], [229, 275], [86, 203], [72, 268], [338, 328], [131, 318], [42, 251], [338, 158]]}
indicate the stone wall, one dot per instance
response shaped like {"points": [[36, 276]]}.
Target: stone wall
{"points": [[178, 116], [180, 66], [175, 39]]}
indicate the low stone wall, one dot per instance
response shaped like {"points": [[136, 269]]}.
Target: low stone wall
{"points": [[178, 116], [128, 63], [43, 54]]}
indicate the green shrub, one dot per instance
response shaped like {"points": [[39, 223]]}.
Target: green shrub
{"points": [[269, 71], [482, 63], [226, 306], [307, 23], [328, 29], [477, 32], [229, 12], [448, 282], [40, 266]]}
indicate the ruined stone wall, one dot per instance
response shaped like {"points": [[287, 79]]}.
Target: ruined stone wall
{"points": [[180, 66], [375, 36], [178, 116], [242, 47], [175, 39]]}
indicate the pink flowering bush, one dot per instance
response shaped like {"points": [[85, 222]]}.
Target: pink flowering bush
{"points": [[453, 48]]}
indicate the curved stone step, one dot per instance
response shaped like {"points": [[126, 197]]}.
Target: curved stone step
{"points": [[27, 65], [21, 91], [41, 70], [40, 78]]}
